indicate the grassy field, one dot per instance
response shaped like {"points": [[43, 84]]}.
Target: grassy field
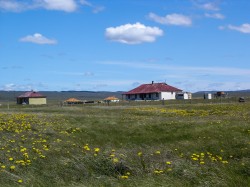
{"points": [[178, 144]]}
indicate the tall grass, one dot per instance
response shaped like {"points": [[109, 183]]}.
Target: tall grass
{"points": [[145, 145]]}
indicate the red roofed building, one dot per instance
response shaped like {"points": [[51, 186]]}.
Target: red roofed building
{"points": [[153, 91], [32, 98]]}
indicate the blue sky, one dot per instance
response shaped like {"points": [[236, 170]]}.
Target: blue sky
{"points": [[103, 45]]}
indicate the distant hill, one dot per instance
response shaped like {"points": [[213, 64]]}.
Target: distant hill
{"points": [[58, 96], [6, 96]]}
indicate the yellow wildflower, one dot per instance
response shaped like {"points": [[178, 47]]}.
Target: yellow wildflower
{"points": [[157, 152], [124, 177]]}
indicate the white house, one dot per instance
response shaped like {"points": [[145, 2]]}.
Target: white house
{"points": [[153, 91]]}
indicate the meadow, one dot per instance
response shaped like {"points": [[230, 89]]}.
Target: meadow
{"points": [[177, 144]]}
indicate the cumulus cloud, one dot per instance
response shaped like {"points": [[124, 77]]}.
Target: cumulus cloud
{"points": [[171, 19], [38, 39], [244, 28], [133, 33], [215, 16]]}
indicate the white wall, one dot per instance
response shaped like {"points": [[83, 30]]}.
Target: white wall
{"points": [[161, 96], [37, 101], [167, 95]]}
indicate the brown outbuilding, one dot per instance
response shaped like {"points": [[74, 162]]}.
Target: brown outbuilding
{"points": [[32, 98]]}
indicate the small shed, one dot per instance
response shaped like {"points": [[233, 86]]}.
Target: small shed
{"points": [[207, 95], [112, 99], [183, 95], [32, 98], [73, 101]]}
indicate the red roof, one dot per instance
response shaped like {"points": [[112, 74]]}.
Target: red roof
{"points": [[153, 88], [31, 94]]}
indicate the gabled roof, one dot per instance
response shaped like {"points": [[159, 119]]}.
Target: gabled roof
{"points": [[153, 88], [111, 98], [31, 94]]}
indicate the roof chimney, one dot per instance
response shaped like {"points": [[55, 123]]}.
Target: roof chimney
{"points": [[152, 82]]}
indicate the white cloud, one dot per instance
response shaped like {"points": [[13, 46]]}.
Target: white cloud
{"points": [[88, 74], [38, 39], [9, 87], [172, 19], [210, 6], [133, 33], [85, 2], [12, 87], [215, 16], [12, 5], [244, 28], [96, 9], [64, 5], [60, 5]]}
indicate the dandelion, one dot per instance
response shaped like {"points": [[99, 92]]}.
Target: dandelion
{"points": [[86, 147], [42, 156], [115, 160], [169, 169], [139, 153], [12, 167], [124, 177], [157, 152], [168, 163], [20, 181], [11, 159], [96, 150], [158, 171]]}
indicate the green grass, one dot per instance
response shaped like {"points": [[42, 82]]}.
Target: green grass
{"points": [[179, 144]]}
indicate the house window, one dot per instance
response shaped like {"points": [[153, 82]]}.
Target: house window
{"points": [[157, 95], [135, 96], [149, 95], [128, 96]]}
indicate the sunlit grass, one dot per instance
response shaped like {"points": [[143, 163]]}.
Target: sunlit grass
{"points": [[177, 145]]}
